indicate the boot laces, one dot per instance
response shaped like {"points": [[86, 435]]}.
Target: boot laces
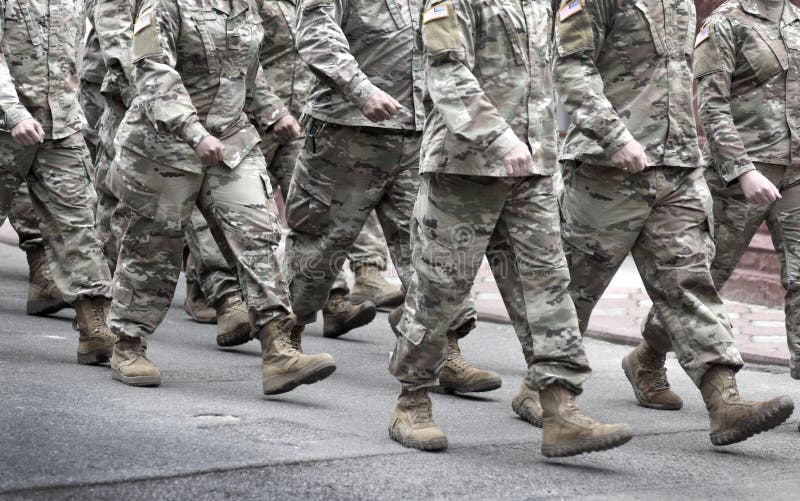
{"points": [[733, 390], [454, 356], [421, 412], [98, 314], [337, 304], [287, 343], [653, 365], [574, 412]]}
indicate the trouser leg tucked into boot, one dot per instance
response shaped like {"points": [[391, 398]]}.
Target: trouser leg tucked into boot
{"points": [[195, 305], [340, 316], [44, 298], [285, 366], [130, 365], [734, 419], [527, 405], [569, 432], [460, 376], [412, 423], [645, 369], [233, 321], [95, 340], [371, 286]]}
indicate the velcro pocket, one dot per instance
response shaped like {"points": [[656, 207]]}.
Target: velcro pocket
{"points": [[574, 33], [440, 29], [146, 39]]}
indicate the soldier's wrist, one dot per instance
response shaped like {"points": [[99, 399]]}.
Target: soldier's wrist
{"points": [[361, 92], [620, 138], [194, 134], [503, 144], [15, 114]]}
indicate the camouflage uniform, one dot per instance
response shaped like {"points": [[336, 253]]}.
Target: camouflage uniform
{"points": [[748, 71], [219, 88], [38, 80], [292, 81], [488, 89], [92, 73], [622, 69]]}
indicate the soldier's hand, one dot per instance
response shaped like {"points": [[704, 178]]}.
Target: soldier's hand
{"points": [[28, 132], [758, 189], [210, 151], [381, 106], [518, 161], [630, 158], [287, 128]]}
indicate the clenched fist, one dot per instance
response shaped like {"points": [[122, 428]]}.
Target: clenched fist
{"points": [[381, 106], [286, 129], [210, 151], [630, 158], [28, 132], [518, 161], [758, 189]]}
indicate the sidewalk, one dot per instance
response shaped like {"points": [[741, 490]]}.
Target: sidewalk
{"points": [[759, 331]]}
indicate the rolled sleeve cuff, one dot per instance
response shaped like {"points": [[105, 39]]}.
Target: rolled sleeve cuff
{"points": [[194, 133], [616, 140], [360, 90], [267, 122], [16, 114], [730, 171], [504, 143]]}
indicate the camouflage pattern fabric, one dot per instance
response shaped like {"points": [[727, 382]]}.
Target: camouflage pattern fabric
{"points": [[24, 220], [625, 64], [206, 264], [92, 104], [220, 89], [370, 249], [513, 221], [90, 78], [745, 91]]}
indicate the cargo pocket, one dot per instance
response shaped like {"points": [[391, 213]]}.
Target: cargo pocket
{"points": [[309, 201]]}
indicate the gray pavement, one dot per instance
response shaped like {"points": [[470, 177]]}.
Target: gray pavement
{"points": [[70, 432]]}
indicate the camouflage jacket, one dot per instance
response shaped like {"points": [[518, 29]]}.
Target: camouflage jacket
{"points": [[489, 85], [92, 67], [355, 47], [196, 72], [290, 78], [38, 74], [623, 70], [114, 27], [748, 85]]}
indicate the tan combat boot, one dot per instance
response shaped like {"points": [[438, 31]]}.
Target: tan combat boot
{"points": [[527, 405], [196, 307], [412, 423], [371, 286], [340, 316], [285, 367], [233, 321], [732, 418], [646, 371], [130, 365], [44, 298], [569, 432], [460, 376], [95, 340]]}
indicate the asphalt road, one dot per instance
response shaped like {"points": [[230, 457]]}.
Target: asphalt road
{"points": [[70, 432]]}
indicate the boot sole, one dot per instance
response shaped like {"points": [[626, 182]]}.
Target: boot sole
{"points": [[527, 415], [432, 445], [287, 382], [360, 320], [238, 337], [482, 387], [746, 428], [587, 445], [139, 381], [384, 306], [94, 357], [640, 398], [44, 307], [199, 320]]}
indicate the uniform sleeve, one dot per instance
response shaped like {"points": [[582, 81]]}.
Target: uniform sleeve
{"points": [[448, 39], [580, 36], [262, 106], [158, 84], [324, 47], [715, 60], [113, 25], [13, 111]]}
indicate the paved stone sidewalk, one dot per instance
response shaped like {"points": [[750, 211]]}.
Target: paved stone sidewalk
{"points": [[760, 331]]}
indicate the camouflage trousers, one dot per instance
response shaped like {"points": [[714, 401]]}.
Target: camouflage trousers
{"points": [[242, 217], [92, 104], [110, 224], [60, 195], [205, 263], [513, 222], [24, 220], [661, 216], [736, 222], [343, 174]]}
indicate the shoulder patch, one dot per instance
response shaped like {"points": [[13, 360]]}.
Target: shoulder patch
{"points": [[146, 41], [705, 34], [436, 12], [144, 20], [569, 9]]}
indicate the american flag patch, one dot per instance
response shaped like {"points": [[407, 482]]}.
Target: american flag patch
{"points": [[704, 35], [436, 12], [145, 20], [569, 10]]}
